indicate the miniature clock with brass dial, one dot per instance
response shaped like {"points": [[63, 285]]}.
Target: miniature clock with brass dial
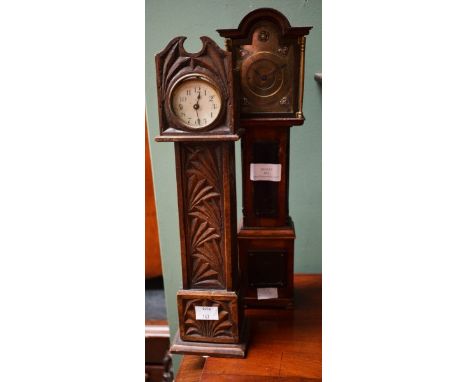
{"points": [[266, 72], [268, 56]]}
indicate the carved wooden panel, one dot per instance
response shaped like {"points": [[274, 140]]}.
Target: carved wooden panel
{"points": [[202, 195], [225, 329], [213, 329]]}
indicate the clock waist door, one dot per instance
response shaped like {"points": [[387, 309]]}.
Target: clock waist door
{"points": [[265, 161]]}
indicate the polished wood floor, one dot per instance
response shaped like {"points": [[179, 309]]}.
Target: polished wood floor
{"points": [[284, 345]]}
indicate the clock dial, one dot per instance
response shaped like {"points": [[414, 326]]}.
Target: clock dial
{"points": [[196, 102], [269, 62], [263, 76], [267, 71]]}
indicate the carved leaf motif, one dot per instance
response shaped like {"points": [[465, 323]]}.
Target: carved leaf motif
{"points": [[177, 66], [218, 61], [223, 327], [170, 56], [200, 194], [204, 216], [204, 269]]}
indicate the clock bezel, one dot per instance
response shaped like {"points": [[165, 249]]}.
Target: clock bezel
{"points": [[203, 77]]}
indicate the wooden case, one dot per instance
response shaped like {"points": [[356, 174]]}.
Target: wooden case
{"points": [[268, 58], [207, 204], [172, 64]]}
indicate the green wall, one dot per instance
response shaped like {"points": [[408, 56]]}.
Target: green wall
{"points": [[166, 19]]}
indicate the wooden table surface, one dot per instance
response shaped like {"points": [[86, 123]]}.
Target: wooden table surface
{"points": [[284, 345]]}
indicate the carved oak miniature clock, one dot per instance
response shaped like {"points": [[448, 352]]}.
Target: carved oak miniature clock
{"points": [[268, 56], [196, 104]]}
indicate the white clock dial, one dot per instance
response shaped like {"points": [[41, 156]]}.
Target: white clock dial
{"points": [[196, 102]]}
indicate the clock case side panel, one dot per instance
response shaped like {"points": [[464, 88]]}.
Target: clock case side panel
{"points": [[172, 64]]}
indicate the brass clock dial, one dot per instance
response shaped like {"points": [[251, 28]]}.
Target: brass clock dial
{"points": [[267, 68], [268, 55], [195, 101], [264, 78]]}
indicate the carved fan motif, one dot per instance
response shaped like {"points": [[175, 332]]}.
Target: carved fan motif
{"points": [[204, 218], [223, 327]]}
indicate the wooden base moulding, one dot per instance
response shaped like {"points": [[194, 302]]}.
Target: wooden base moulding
{"points": [[222, 350]]}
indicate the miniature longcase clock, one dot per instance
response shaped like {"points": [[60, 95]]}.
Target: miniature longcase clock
{"points": [[268, 59], [196, 104]]}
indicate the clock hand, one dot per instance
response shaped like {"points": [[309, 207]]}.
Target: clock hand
{"points": [[197, 106], [275, 70], [198, 101], [264, 77], [258, 74]]}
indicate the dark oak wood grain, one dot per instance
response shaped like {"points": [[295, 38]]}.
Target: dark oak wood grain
{"points": [[172, 64], [285, 345], [278, 141], [206, 193], [223, 330], [267, 260], [268, 56]]}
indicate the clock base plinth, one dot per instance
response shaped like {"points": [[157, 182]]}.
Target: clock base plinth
{"points": [[238, 350], [226, 328], [266, 256]]}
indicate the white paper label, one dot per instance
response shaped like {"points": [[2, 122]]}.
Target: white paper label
{"points": [[265, 171], [267, 293], [206, 313]]}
